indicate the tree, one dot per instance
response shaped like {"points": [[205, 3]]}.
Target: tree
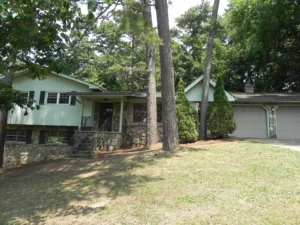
{"points": [[152, 133], [170, 128], [220, 118], [113, 53], [110, 58], [264, 45], [32, 36], [189, 44], [207, 72], [187, 116], [189, 40], [119, 61]]}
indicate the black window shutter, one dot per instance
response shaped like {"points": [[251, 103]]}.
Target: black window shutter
{"points": [[73, 99], [31, 95], [42, 139], [28, 136], [42, 97]]}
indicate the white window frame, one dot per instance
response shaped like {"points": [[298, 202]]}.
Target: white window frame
{"points": [[57, 99]]}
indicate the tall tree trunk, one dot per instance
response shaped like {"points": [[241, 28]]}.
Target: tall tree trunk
{"points": [[152, 134], [3, 120], [207, 71], [170, 127]]}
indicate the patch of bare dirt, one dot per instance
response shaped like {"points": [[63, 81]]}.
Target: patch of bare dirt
{"points": [[210, 142], [158, 146]]}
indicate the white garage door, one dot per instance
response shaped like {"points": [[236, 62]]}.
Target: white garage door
{"points": [[251, 121], [288, 122]]}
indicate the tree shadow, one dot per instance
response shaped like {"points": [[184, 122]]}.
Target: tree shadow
{"points": [[69, 187]]}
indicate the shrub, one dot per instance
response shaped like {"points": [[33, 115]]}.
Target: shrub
{"points": [[220, 120], [187, 116]]}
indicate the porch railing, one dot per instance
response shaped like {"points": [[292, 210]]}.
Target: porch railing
{"points": [[99, 136], [86, 122]]}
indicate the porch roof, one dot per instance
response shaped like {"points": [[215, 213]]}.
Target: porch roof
{"points": [[112, 94]]}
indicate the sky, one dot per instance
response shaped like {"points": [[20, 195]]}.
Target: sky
{"points": [[179, 7]]}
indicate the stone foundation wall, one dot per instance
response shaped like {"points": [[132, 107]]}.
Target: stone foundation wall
{"points": [[112, 140], [136, 132], [16, 153], [136, 135]]}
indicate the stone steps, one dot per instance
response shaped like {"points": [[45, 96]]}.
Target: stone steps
{"points": [[81, 154], [85, 149]]}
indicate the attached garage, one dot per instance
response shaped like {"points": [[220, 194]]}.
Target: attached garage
{"points": [[288, 122], [257, 115], [251, 122]]}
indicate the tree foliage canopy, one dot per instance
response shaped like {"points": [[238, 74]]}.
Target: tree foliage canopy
{"points": [[33, 33], [9, 98], [264, 44]]}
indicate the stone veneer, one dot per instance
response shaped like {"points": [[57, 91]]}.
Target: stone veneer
{"points": [[112, 140], [271, 110], [136, 132], [136, 135], [16, 153]]}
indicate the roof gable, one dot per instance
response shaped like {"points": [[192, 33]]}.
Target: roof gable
{"points": [[194, 91], [90, 85]]}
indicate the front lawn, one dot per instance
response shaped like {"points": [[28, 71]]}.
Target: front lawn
{"points": [[230, 183]]}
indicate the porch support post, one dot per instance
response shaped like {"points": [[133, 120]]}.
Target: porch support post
{"points": [[121, 116]]}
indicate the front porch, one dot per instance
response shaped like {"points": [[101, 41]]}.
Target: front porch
{"points": [[112, 121]]}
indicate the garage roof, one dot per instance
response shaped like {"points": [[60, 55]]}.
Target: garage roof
{"points": [[267, 97]]}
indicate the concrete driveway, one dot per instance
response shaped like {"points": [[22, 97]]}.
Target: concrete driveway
{"points": [[290, 144]]}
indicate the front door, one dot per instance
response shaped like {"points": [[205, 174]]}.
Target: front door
{"points": [[105, 119]]}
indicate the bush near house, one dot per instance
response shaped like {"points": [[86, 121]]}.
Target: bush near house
{"points": [[220, 120], [187, 116]]}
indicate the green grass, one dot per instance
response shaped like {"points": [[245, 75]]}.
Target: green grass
{"points": [[231, 183]]}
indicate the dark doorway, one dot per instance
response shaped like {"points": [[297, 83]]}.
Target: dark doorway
{"points": [[105, 117]]}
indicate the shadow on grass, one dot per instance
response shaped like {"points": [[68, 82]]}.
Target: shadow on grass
{"points": [[30, 194]]}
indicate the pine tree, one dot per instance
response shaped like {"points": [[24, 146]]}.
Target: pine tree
{"points": [[220, 121], [187, 116], [170, 128]]}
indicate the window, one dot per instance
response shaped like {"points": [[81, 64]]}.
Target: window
{"points": [[55, 137], [51, 98], [140, 113], [63, 98], [19, 135], [57, 98]]}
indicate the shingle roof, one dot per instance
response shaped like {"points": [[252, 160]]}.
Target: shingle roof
{"points": [[267, 97]]}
